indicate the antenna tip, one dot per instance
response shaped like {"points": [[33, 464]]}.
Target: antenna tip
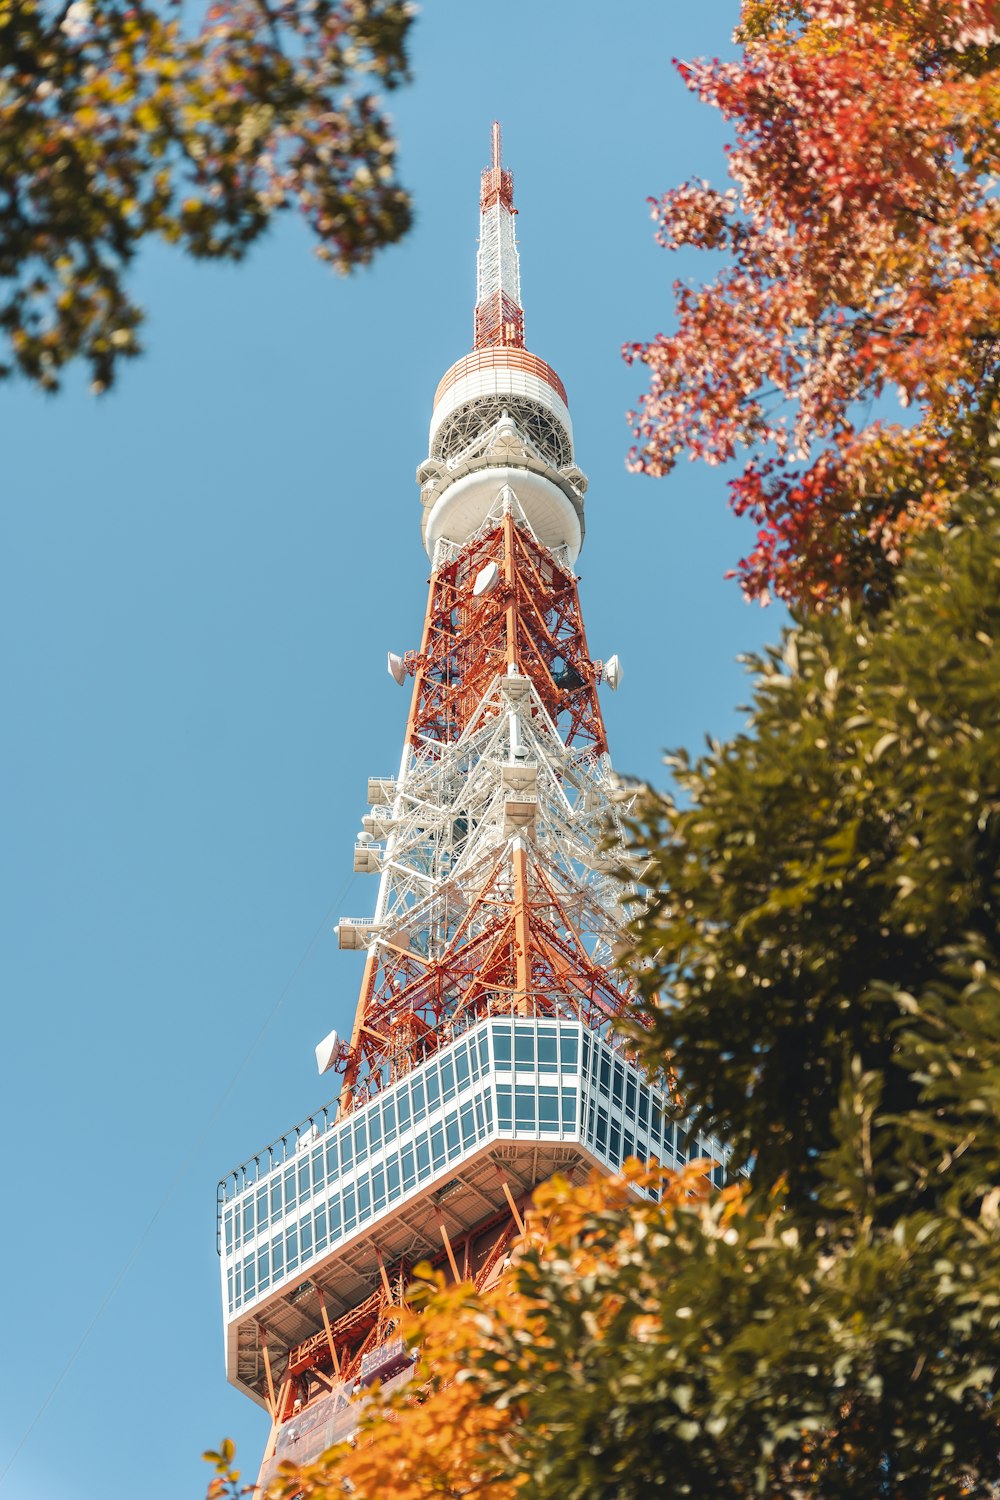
{"points": [[495, 140]]}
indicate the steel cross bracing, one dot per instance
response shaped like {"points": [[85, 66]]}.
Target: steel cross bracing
{"points": [[495, 852]]}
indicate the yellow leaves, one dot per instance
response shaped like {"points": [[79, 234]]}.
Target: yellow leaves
{"points": [[146, 117]]}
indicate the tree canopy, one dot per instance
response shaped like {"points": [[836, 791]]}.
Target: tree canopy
{"points": [[860, 260], [118, 124]]}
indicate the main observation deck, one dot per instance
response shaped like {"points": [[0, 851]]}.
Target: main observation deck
{"points": [[533, 1096]]}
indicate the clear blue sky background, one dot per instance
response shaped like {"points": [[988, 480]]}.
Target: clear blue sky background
{"points": [[200, 576]]}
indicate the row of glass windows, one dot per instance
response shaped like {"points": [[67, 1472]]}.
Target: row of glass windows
{"points": [[544, 1109], [524, 1045], [536, 1045], [347, 1208], [351, 1145]]}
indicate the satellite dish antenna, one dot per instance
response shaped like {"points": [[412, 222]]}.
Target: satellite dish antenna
{"points": [[395, 667], [613, 673], [486, 580], [329, 1051]]}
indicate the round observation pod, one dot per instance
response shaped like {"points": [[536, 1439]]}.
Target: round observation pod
{"points": [[500, 419], [487, 384]]}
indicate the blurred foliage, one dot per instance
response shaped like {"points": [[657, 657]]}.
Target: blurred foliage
{"points": [[817, 954], [116, 125]]}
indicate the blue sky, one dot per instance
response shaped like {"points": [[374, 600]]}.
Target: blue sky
{"points": [[200, 576]]}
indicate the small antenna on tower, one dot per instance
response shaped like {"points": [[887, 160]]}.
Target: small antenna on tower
{"points": [[497, 146]]}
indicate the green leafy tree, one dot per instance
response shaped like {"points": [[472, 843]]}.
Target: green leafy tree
{"points": [[116, 124]]}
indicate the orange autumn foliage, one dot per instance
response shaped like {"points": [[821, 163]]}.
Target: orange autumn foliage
{"points": [[449, 1433], [860, 238]]}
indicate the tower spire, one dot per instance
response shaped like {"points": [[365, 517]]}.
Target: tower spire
{"points": [[499, 318]]}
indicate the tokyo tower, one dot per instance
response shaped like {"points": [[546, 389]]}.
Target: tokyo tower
{"points": [[483, 1057]]}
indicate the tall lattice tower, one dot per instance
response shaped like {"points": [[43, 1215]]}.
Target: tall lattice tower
{"points": [[483, 1057]]}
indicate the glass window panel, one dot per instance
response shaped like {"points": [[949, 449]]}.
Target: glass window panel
{"points": [[305, 1237], [262, 1205], [350, 1210], [524, 1046], [501, 1046], [248, 1218], [249, 1277], [447, 1078], [423, 1156], [568, 1049], [462, 1066], [484, 1049], [643, 1105], [275, 1202], [360, 1141], [335, 1218], [292, 1247], [468, 1125], [454, 1136], [618, 1093], [403, 1107], [278, 1256], [395, 1184], [630, 1097], [375, 1128], [437, 1145], [628, 1146], [321, 1227], [389, 1116], [504, 1107], [601, 1134], [378, 1188], [433, 1086], [615, 1142], [547, 1051], [346, 1149], [409, 1167], [548, 1104], [364, 1197], [229, 1230], [305, 1181], [605, 1079], [480, 1117], [569, 1109], [524, 1107], [488, 1107], [332, 1160], [419, 1107]]}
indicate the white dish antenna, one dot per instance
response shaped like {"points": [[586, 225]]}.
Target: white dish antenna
{"points": [[395, 667], [329, 1051], [613, 673], [486, 580]]}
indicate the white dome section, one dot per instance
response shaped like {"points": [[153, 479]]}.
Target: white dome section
{"points": [[465, 505], [493, 373]]}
